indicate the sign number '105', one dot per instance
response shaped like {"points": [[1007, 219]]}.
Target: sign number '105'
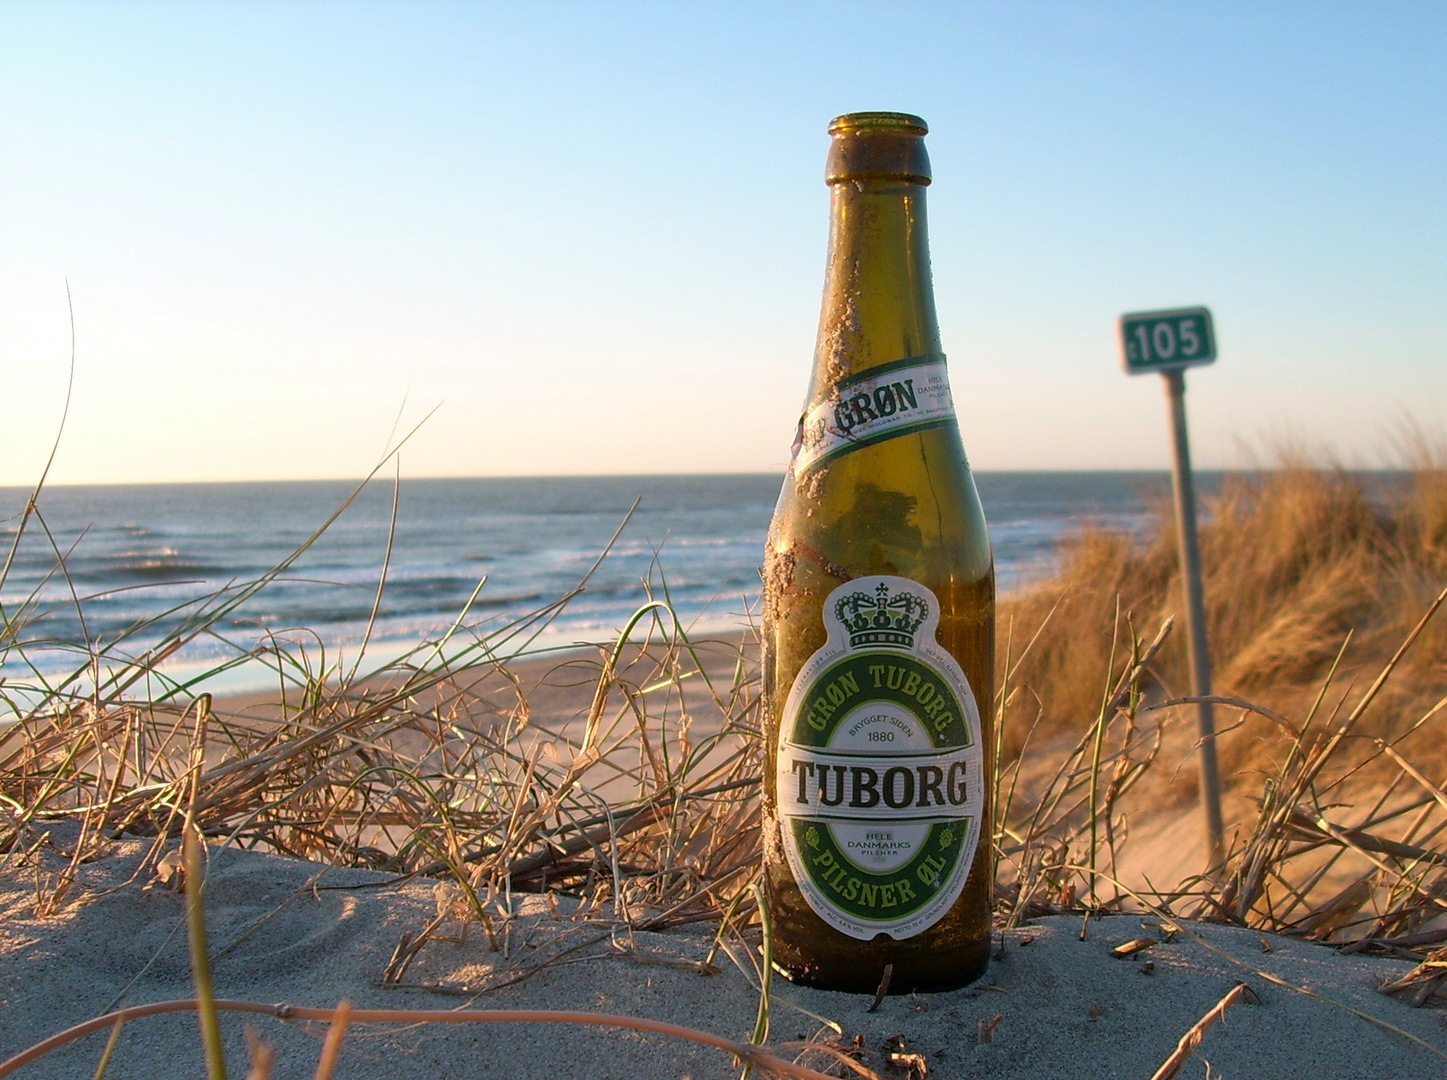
{"points": [[1167, 340]]}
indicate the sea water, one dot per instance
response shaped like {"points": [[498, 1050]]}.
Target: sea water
{"points": [[136, 562]]}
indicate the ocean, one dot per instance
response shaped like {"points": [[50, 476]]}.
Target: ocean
{"points": [[140, 559]]}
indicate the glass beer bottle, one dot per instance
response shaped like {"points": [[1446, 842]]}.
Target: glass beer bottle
{"points": [[879, 616]]}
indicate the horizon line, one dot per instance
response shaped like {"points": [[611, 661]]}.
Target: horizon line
{"points": [[779, 475]]}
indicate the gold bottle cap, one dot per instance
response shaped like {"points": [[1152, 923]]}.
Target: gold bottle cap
{"points": [[877, 146]]}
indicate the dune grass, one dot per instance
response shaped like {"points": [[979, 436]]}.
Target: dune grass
{"points": [[640, 801], [1323, 589], [1294, 559]]}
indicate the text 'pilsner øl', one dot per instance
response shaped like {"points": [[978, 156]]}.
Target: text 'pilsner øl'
{"points": [[879, 616]]}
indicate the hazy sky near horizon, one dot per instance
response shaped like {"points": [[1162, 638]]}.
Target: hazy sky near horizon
{"points": [[593, 233]]}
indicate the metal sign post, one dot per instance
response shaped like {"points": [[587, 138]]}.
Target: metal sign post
{"points": [[1168, 342]]}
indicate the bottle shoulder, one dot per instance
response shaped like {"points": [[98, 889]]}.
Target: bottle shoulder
{"points": [[907, 506]]}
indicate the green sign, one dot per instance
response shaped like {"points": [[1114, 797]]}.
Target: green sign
{"points": [[1167, 340]]}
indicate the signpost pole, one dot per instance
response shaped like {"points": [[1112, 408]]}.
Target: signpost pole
{"points": [[1197, 644], [1168, 342]]}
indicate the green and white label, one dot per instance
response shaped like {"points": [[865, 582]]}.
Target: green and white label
{"points": [[882, 403], [879, 776]]}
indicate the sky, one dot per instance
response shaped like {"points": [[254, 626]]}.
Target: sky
{"points": [[591, 236]]}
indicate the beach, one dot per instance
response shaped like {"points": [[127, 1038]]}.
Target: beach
{"points": [[1055, 1002], [577, 831]]}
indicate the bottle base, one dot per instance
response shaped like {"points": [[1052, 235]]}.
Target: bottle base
{"points": [[911, 975]]}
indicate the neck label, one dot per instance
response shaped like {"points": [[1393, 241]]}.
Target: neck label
{"points": [[882, 403], [879, 772]]}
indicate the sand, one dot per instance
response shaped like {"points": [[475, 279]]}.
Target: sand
{"points": [[286, 930]]}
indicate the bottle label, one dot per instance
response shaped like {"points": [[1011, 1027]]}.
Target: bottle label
{"points": [[882, 403], [879, 776]]}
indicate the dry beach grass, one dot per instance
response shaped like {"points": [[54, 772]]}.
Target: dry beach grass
{"points": [[1321, 597], [621, 782]]}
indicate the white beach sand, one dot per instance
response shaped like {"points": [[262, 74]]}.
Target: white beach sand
{"points": [[285, 930]]}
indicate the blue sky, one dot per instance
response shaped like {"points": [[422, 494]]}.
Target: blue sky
{"points": [[594, 233]]}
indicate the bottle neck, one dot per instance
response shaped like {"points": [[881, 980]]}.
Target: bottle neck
{"points": [[878, 296]]}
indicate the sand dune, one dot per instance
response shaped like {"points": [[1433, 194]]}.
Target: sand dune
{"points": [[286, 930]]}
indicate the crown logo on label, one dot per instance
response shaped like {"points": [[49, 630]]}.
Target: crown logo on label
{"points": [[881, 619]]}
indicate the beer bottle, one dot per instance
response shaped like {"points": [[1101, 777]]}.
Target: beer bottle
{"points": [[878, 627]]}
